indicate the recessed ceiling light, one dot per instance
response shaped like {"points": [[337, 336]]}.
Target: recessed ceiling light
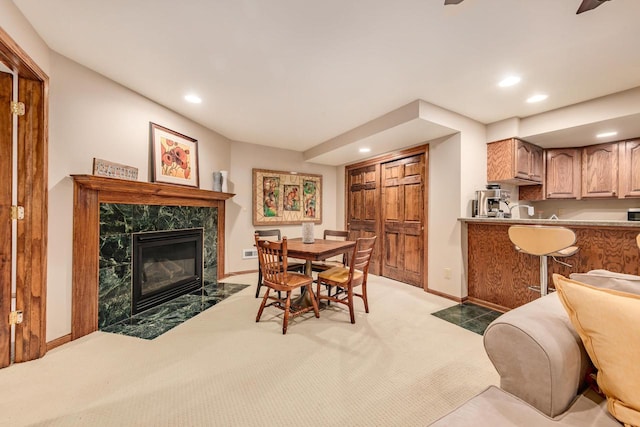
{"points": [[606, 134], [365, 150], [194, 99], [537, 98], [509, 81]]}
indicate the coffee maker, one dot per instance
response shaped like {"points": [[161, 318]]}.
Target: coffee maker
{"points": [[487, 202]]}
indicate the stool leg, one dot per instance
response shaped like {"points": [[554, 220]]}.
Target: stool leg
{"points": [[544, 278]]}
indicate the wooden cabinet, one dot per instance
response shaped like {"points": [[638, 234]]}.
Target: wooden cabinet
{"points": [[629, 154], [514, 161], [563, 177], [600, 170]]}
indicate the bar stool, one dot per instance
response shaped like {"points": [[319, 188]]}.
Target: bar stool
{"points": [[544, 241]]}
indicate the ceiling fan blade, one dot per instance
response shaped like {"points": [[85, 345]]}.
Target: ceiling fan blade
{"points": [[446, 2], [588, 5]]}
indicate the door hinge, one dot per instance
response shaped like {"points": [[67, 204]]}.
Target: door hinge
{"points": [[17, 212], [17, 108], [15, 317]]}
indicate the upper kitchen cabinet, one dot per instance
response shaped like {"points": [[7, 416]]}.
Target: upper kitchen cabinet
{"points": [[629, 152], [600, 170], [563, 173], [514, 161]]}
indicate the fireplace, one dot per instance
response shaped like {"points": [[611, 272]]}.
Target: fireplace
{"points": [[165, 265]]}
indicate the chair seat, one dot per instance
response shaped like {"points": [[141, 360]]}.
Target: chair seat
{"points": [[294, 281], [339, 275], [325, 265]]}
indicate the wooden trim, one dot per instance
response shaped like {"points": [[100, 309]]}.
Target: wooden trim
{"points": [[58, 342], [394, 155], [89, 191], [14, 57], [6, 186], [239, 273], [487, 304], [447, 296]]}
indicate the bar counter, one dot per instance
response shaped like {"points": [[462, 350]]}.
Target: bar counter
{"points": [[498, 276]]}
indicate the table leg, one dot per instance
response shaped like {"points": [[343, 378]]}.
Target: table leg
{"points": [[304, 300]]}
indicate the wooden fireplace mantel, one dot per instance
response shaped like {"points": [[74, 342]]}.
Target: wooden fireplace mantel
{"points": [[88, 192]]}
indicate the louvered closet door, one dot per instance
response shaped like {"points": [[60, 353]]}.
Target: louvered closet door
{"points": [[403, 219]]}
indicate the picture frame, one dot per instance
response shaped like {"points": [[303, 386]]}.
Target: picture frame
{"points": [[286, 198], [174, 157], [114, 170]]}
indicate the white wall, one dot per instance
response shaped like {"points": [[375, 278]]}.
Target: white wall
{"points": [[91, 116], [458, 167], [239, 227], [20, 30]]}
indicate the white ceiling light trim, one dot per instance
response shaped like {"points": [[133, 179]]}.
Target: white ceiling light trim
{"points": [[509, 81], [365, 150], [606, 134], [192, 98], [537, 98]]}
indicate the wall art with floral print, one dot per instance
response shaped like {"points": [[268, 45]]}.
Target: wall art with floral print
{"points": [[174, 157]]}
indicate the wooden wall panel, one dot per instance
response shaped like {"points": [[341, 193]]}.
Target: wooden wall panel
{"points": [[499, 275]]}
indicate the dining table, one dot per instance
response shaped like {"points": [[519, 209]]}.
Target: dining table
{"points": [[318, 250]]}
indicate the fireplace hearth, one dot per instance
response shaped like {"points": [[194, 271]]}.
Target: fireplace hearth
{"points": [[166, 265]]}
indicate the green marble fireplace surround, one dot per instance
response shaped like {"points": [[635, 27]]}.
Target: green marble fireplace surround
{"points": [[106, 211], [117, 223]]}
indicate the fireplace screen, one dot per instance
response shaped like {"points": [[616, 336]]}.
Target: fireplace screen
{"points": [[166, 264]]}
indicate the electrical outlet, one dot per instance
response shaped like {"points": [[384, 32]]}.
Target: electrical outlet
{"points": [[447, 273]]}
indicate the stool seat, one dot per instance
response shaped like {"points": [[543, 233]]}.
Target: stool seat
{"points": [[544, 241]]}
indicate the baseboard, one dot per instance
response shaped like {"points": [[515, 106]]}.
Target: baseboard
{"points": [[447, 296], [58, 342], [490, 305], [238, 273]]}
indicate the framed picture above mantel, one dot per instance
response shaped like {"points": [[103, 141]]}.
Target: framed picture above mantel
{"points": [[174, 157], [286, 198]]}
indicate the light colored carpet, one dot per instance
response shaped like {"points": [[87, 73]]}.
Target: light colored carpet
{"points": [[397, 366]]}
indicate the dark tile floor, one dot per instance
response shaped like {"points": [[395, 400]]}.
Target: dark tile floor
{"points": [[469, 316], [156, 321]]}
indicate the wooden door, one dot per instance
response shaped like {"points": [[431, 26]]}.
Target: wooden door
{"points": [[629, 168], [402, 219], [6, 183], [31, 232], [563, 173], [600, 170], [362, 213]]}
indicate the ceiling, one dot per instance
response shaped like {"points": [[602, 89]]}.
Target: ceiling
{"points": [[295, 74]]}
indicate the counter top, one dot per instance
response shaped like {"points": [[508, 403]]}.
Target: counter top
{"points": [[564, 222]]}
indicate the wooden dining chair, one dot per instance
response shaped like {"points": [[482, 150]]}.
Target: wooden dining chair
{"points": [[324, 265], [277, 277], [274, 234], [345, 279]]}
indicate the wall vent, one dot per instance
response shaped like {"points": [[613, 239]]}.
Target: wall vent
{"points": [[249, 253]]}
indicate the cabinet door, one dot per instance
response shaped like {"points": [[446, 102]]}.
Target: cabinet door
{"points": [[629, 168], [600, 170], [563, 173], [528, 161]]}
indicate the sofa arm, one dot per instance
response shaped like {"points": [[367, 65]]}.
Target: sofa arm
{"points": [[538, 354]]}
